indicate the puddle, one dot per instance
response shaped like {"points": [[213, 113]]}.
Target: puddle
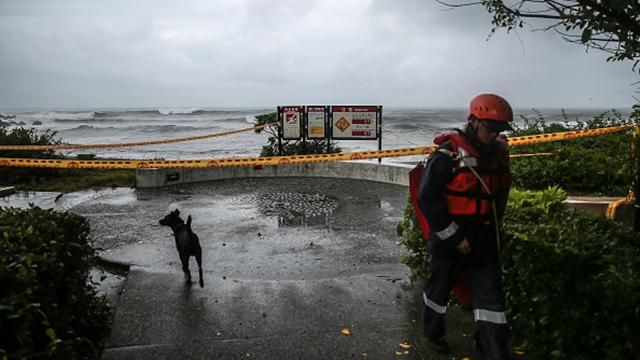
{"points": [[70, 200], [24, 199], [63, 202], [107, 284], [289, 208]]}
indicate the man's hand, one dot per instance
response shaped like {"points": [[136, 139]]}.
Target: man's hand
{"points": [[464, 247]]}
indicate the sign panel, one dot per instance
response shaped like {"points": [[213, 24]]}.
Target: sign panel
{"points": [[353, 122], [316, 122], [291, 121]]}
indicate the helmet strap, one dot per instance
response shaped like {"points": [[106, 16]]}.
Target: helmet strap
{"points": [[474, 123]]}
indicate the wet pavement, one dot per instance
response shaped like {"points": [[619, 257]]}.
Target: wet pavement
{"points": [[288, 264]]}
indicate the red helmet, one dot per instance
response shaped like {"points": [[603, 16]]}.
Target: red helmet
{"points": [[490, 107]]}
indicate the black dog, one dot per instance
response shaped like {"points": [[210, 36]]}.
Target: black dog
{"points": [[186, 241]]}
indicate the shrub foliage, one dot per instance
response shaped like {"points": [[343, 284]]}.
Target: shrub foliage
{"points": [[27, 136], [41, 179], [411, 237], [572, 282], [48, 309], [290, 147], [596, 165]]}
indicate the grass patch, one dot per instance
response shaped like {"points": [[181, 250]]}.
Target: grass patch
{"points": [[72, 180]]}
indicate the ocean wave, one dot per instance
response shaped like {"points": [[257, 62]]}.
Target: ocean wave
{"points": [[160, 129], [157, 119], [53, 115], [68, 120], [178, 111], [106, 114], [405, 126], [172, 112]]}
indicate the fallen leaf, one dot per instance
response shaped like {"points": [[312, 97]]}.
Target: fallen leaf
{"points": [[346, 332], [399, 353], [466, 358], [405, 346], [519, 352]]}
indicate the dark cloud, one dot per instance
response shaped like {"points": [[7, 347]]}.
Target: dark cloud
{"points": [[252, 53]]}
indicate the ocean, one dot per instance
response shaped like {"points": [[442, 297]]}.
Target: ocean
{"points": [[402, 127]]}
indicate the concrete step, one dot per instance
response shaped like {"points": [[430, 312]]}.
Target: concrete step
{"points": [[597, 205], [7, 190]]}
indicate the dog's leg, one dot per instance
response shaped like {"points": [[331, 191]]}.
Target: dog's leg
{"points": [[185, 267], [199, 261]]}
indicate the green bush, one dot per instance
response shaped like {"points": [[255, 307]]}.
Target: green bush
{"points": [[572, 282], [601, 165], [27, 136], [411, 237], [290, 147], [86, 156], [48, 309], [41, 179]]}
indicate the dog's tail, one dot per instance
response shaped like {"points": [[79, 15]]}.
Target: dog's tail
{"points": [[189, 224]]}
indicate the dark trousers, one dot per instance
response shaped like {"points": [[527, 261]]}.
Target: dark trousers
{"points": [[488, 304]]}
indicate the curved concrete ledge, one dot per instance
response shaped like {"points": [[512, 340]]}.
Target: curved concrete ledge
{"points": [[394, 173], [386, 173], [9, 190], [113, 266]]}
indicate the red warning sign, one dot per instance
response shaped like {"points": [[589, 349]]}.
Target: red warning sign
{"points": [[291, 122]]}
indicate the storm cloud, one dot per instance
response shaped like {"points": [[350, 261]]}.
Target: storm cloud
{"points": [[74, 53]]}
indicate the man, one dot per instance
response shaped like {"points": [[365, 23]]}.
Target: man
{"points": [[463, 194]]}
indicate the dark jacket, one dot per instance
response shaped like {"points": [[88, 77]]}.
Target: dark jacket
{"points": [[447, 232]]}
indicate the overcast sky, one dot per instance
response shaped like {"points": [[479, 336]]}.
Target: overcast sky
{"points": [[225, 53]]}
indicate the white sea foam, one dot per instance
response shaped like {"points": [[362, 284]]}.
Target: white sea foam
{"points": [[52, 115], [178, 111]]}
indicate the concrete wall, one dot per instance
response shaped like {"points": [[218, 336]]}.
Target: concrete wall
{"points": [[361, 170]]}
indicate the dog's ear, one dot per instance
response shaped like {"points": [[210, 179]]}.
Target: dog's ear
{"points": [[177, 212], [189, 221]]}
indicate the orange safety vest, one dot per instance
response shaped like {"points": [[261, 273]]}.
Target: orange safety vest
{"points": [[465, 195]]}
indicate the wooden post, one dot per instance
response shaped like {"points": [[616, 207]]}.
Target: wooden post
{"points": [[280, 131], [636, 153]]}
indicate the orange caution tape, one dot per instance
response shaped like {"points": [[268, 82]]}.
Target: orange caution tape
{"points": [[530, 155], [256, 161], [612, 209], [273, 160], [143, 143], [566, 135]]}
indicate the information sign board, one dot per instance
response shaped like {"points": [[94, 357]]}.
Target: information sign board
{"points": [[353, 122], [291, 122], [316, 116]]}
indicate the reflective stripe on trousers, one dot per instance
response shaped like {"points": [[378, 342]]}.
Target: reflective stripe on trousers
{"points": [[435, 307], [496, 317]]}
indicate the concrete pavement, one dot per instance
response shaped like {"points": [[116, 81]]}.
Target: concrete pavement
{"points": [[289, 263]]}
